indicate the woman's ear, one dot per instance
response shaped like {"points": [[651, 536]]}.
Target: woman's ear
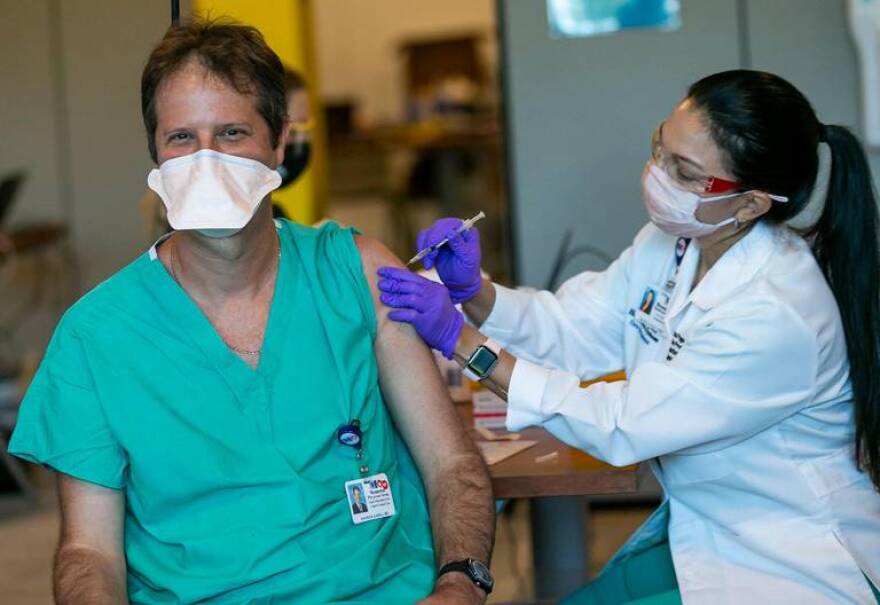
{"points": [[757, 204]]}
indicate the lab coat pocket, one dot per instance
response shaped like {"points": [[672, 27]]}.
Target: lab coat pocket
{"points": [[685, 469]]}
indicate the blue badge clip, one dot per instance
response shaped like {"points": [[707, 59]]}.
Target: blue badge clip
{"points": [[350, 435]]}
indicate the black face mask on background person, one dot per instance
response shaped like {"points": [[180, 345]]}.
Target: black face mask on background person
{"points": [[296, 160]]}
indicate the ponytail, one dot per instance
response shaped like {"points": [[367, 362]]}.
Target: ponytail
{"points": [[845, 243]]}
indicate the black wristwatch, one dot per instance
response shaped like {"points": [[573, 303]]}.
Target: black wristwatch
{"points": [[475, 570]]}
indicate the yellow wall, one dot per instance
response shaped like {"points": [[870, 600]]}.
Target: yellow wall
{"points": [[286, 25]]}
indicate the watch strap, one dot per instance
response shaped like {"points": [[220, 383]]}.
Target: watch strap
{"points": [[493, 346], [464, 566]]}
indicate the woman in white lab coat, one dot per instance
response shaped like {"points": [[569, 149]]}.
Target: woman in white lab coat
{"points": [[747, 319]]}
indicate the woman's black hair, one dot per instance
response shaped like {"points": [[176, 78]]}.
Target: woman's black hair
{"points": [[770, 134]]}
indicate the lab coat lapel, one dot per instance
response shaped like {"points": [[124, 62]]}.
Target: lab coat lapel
{"points": [[735, 268]]}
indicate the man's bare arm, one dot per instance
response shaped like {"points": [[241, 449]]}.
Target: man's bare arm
{"points": [[455, 476], [90, 561]]}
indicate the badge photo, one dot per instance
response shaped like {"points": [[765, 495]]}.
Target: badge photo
{"points": [[648, 300]]}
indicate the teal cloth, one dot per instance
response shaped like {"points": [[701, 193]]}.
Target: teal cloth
{"points": [[644, 578], [233, 477]]}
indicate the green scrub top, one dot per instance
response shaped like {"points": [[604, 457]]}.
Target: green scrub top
{"points": [[234, 477]]}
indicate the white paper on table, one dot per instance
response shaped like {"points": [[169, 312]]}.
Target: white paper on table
{"points": [[496, 451]]}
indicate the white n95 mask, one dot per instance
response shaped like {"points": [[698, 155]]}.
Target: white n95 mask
{"points": [[674, 210], [212, 192]]}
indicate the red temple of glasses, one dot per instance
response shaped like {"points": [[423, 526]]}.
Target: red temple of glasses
{"points": [[716, 185]]}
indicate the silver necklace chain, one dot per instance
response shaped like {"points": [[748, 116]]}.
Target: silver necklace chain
{"points": [[236, 349]]}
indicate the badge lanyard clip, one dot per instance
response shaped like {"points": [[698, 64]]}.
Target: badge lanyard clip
{"points": [[350, 435], [681, 246]]}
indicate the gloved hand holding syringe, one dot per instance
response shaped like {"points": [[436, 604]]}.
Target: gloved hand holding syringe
{"points": [[465, 225], [452, 247]]}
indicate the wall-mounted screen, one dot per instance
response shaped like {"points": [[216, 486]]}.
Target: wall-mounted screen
{"points": [[581, 18]]}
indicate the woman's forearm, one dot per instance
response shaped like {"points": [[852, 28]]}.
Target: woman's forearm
{"points": [[480, 307]]}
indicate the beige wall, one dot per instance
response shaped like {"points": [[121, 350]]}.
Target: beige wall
{"points": [[357, 41], [26, 107], [90, 83], [104, 44]]}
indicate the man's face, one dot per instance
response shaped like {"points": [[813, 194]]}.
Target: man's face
{"points": [[196, 110], [357, 496]]}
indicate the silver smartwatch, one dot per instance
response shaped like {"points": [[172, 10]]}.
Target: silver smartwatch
{"points": [[482, 361]]}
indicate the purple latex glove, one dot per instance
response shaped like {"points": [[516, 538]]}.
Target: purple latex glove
{"points": [[458, 262], [424, 304]]}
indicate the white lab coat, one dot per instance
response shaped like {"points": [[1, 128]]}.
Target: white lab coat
{"points": [[737, 392]]}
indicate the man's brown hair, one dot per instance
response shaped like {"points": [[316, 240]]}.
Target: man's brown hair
{"points": [[236, 53]]}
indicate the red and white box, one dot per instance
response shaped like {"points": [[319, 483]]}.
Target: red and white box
{"points": [[490, 411]]}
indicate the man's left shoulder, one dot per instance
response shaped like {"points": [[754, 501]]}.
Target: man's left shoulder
{"points": [[374, 254], [325, 244]]}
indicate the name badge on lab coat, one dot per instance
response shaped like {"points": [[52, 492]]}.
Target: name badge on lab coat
{"points": [[649, 317]]}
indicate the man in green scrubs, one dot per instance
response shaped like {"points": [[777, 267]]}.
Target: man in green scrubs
{"points": [[207, 407]]}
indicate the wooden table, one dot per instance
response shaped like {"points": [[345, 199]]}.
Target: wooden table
{"points": [[558, 510], [571, 473]]}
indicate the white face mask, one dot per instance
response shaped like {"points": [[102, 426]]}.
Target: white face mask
{"points": [[674, 210], [212, 192]]}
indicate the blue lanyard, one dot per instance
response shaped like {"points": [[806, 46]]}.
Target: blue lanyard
{"points": [[681, 246]]}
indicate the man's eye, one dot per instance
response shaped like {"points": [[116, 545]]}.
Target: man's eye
{"points": [[232, 133], [179, 136]]}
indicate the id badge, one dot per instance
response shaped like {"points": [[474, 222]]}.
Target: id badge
{"points": [[651, 313], [370, 498]]}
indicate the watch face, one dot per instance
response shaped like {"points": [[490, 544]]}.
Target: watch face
{"points": [[480, 573], [482, 361]]}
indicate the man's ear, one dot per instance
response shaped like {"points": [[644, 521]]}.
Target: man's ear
{"points": [[757, 205], [283, 140]]}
